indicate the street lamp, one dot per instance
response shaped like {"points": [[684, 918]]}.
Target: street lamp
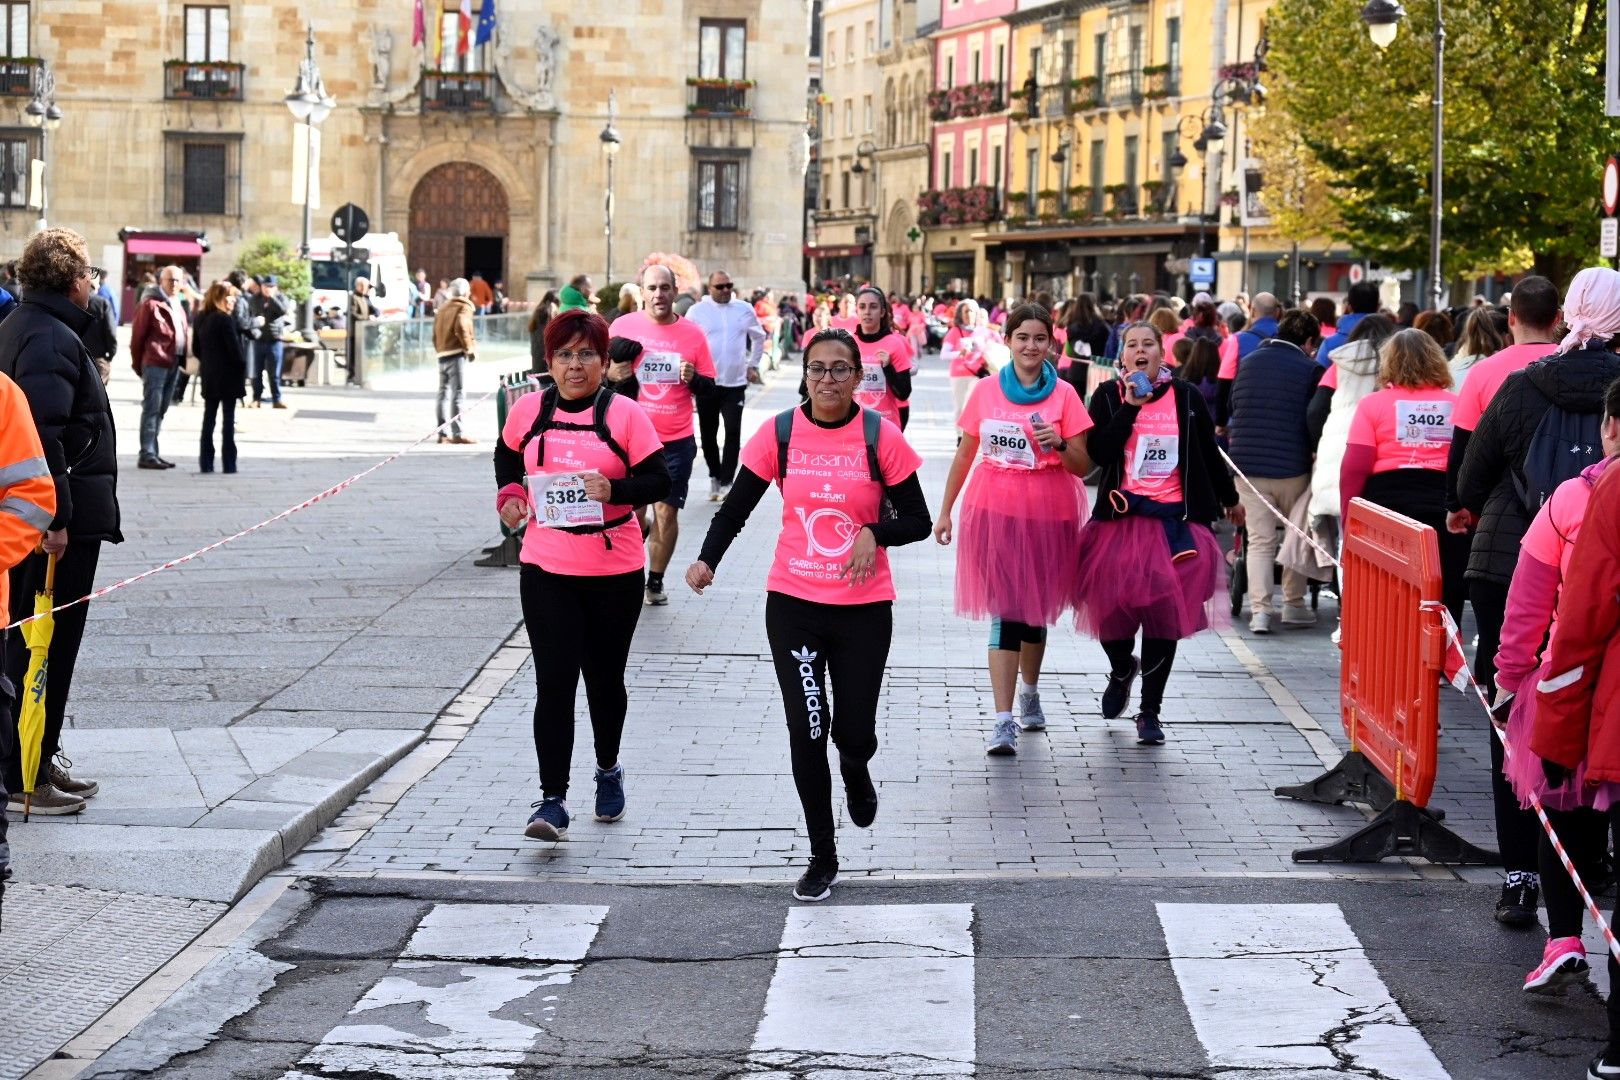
{"points": [[1383, 19], [610, 145], [44, 113], [310, 105]]}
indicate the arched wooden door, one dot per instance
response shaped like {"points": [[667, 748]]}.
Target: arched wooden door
{"points": [[459, 223]]}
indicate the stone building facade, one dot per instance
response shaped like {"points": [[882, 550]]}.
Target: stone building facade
{"points": [[840, 249], [906, 64], [174, 125]]}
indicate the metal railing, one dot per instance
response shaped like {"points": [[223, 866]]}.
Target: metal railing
{"points": [[18, 78], [395, 349], [472, 91], [202, 82], [719, 99], [1124, 87]]}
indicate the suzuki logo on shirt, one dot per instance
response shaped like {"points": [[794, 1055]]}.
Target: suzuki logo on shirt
{"points": [[811, 687], [827, 494], [827, 532]]}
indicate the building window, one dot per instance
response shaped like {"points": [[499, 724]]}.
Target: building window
{"points": [[203, 174], [14, 27], [832, 48], [1171, 140], [995, 166], [719, 194], [973, 166], [722, 49], [871, 38], [950, 72], [849, 116], [974, 60], [1172, 36], [1033, 164], [949, 175], [451, 56], [826, 190], [1099, 56], [17, 150], [848, 186], [1099, 176], [849, 44], [866, 105], [1132, 145], [1136, 49], [208, 34]]}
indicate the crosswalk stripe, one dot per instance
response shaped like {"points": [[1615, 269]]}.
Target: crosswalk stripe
{"points": [[887, 986], [455, 1004], [1288, 986]]}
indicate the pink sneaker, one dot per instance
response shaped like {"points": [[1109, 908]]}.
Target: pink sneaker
{"points": [[1563, 964]]}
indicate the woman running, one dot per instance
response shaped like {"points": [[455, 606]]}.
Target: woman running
{"points": [[1021, 514], [885, 358], [1148, 561], [829, 596], [572, 461], [963, 351]]}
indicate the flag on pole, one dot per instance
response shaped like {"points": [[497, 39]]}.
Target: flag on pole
{"points": [[486, 22], [419, 25], [436, 55], [464, 28]]}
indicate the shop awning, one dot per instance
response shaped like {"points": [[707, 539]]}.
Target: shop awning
{"points": [[836, 251], [167, 246]]}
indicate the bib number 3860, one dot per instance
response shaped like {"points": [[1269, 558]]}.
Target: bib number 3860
{"points": [[1007, 443], [560, 501]]}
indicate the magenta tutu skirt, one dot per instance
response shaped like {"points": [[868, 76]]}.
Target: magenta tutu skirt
{"points": [[1018, 544], [1126, 582], [1523, 766]]}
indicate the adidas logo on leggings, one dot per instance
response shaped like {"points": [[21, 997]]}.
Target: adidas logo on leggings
{"points": [[812, 690]]}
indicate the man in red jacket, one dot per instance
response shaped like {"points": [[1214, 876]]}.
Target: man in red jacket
{"points": [[1578, 704], [157, 344]]}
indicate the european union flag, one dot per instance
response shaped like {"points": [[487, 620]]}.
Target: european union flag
{"points": [[486, 23]]}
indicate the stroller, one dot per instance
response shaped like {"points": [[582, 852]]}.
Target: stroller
{"points": [[1237, 576]]}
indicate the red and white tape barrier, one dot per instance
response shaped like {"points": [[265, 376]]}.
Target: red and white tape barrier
{"points": [[289, 512]]}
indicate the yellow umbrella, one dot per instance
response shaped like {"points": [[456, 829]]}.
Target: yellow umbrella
{"points": [[31, 720]]}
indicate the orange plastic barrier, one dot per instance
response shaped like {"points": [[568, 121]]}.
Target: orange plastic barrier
{"points": [[1389, 694]]}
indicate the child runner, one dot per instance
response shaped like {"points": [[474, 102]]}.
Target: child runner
{"points": [[1148, 561], [1021, 516]]}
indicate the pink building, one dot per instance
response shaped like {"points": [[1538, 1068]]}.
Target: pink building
{"points": [[968, 166]]}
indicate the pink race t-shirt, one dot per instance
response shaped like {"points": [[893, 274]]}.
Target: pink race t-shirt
{"points": [[1485, 378], [1004, 430], [1229, 357], [873, 391], [667, 400], [827, 496], [1407, 429], [963, 345], [1330, 377], [569, 453], [1153, 452]]}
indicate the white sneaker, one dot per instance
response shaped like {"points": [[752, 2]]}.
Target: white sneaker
{"points": [[714, 490], [1260, 622], [1298, 615]]}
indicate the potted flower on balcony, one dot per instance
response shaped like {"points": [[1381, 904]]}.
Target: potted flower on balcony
{"points": [[1048, 200], [1079, 194], [939, 105], [1231, 198], [1154, 190], [720, 84], [1156, 82]]}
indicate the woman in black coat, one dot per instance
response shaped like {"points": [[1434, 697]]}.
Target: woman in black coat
{"points": [[223, 366]]}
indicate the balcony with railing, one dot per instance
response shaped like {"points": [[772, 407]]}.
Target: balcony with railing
{"points": [[958, 206], [458, 91], [1161, 82], [217, 80], [719, 97], [19, 76], [970, 99], [1124, 87]]}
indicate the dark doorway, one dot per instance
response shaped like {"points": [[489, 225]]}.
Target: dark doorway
{"points": [[452, 205], [485, 255]]}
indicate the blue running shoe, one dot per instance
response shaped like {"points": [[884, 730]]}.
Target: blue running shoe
{"points": [[1148, 731], [1004, 741], [610, 794], [549, 822]]}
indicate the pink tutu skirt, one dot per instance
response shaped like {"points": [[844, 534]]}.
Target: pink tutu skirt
{"points": [[1018, 544], [1127, 582], [1523, 766]]}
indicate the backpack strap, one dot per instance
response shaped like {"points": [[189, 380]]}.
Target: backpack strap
{"points": [[542, 421], [784, 431], [599, 423], [872, 427]]}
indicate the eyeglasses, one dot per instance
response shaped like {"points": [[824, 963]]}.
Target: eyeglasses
{"points": [[838, 372], [722, 285], [96, 271], [583, 358]]}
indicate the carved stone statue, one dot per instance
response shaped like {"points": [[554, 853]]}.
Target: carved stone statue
{"points": [[546, 44], [382, 58]]}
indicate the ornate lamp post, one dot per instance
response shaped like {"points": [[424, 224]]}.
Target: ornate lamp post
{"points": [[610, 139], [310, 104], [44, 113]]}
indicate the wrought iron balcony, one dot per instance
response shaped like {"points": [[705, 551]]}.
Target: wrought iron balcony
{"points": [[719, 97], [1124, 87], [458, 91], [19, 77], [213, 81]]}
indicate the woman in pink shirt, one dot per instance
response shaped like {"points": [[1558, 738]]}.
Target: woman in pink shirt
{"points": [[885, 358], [1576, 809], [1400, 437], [1021, 514], [850, 491], [963, 353], [573, 461]]}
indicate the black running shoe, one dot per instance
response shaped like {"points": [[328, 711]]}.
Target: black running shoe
{"points": [[817, 882], [1148, 731], [861, 795], [1117, 694], [1606, 1066], [1517, 906]]}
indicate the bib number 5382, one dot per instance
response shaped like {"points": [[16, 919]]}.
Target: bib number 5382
{"points": [[560, 501]]}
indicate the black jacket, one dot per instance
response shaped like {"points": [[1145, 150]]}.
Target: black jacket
{"points": [[41, 349], [1269, 400], [1205, 483], [101, 336], [276, 311], [221, 356], [1575, 381]]}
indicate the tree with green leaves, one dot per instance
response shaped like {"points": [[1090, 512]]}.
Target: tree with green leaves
{"points": [[1347, 142], [270, 254]]}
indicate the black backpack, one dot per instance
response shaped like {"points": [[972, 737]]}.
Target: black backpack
{"points": [[547, 420], [1564, 443], [871, 425]]}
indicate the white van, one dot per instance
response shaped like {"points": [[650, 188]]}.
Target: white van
{"points": [[387, 270]]}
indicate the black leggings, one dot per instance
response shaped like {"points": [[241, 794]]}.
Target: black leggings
{"points": [[1517, 830], [1158, 656], [1585, 835], [1009, 636], [578, 625], [810, 643]]}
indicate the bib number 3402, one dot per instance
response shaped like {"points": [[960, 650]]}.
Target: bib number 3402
{"points": [[560, 501]]}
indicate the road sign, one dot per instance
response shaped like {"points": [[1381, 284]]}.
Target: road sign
{"points": [[1609, 238], [1358, 273], [350, 223], [1201, 271]]}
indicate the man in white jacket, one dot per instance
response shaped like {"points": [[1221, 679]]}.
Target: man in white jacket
{"points": [[736, 340]]}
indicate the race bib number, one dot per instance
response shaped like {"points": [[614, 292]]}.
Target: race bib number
{"points": [[872, 380], [1007, 443], [560, 501], [660, 368], [1419, 423], [1156, 457]]}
